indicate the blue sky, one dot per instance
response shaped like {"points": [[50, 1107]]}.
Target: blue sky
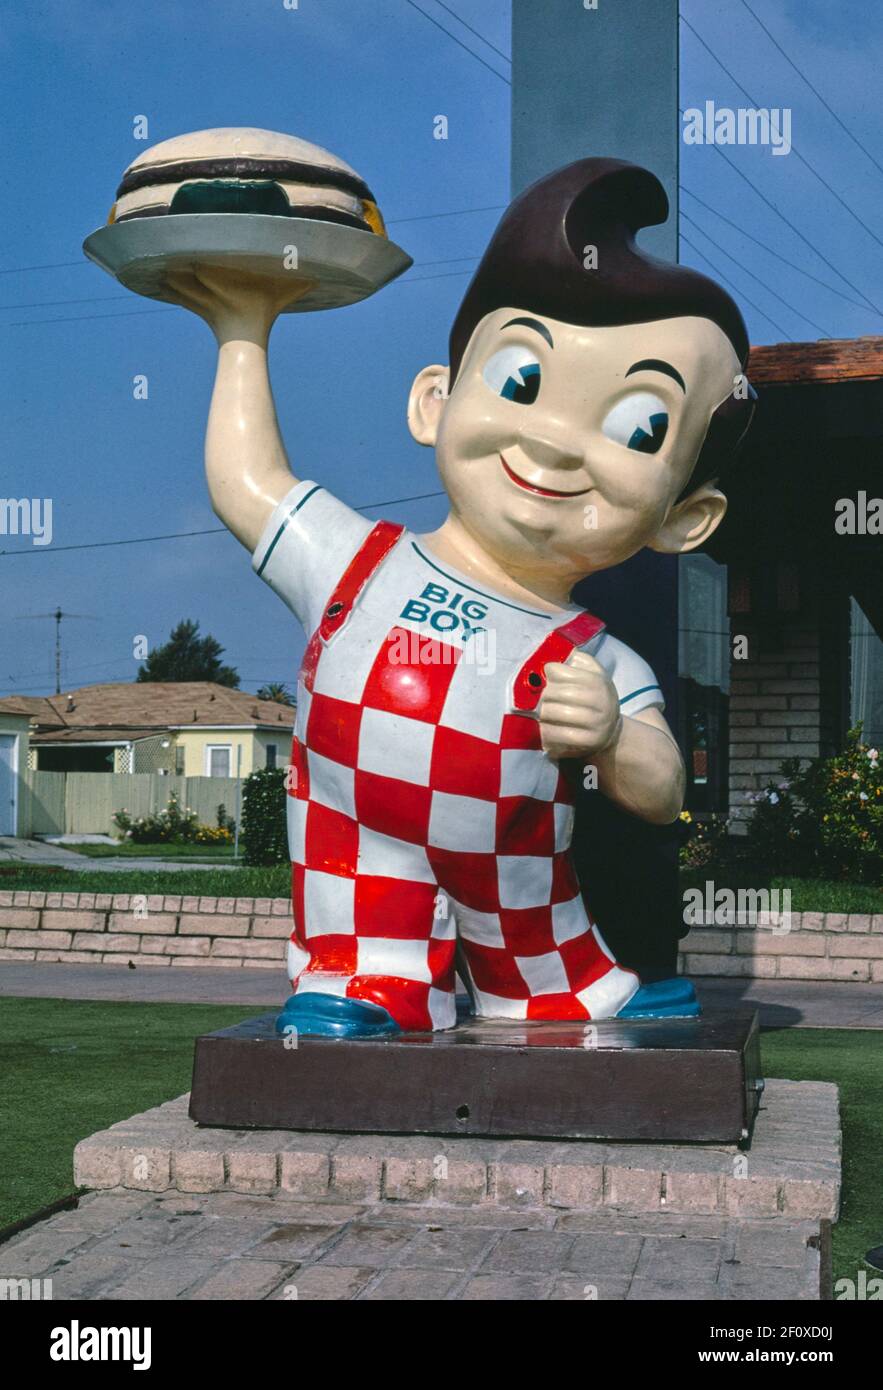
{"points": [[365, 78]]}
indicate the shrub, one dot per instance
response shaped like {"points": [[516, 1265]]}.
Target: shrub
{"points": [[701, 840], [824, 819], [264, 831], [169, 826], [174, 826], [213, 835]]}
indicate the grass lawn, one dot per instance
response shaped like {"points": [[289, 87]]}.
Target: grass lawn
{"points": [[807, 894], [853, 1058], [273, 882], [73, 1067], [126, 850]]}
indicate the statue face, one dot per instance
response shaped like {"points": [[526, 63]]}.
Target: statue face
{"points": [[564, 448]]}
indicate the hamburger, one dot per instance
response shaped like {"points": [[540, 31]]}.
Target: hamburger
{"points": [[234, 169]]}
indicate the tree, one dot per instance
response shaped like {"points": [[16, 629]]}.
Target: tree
{"points": [[188, 657], [277, 692]]}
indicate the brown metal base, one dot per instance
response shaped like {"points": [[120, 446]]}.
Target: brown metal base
{"points": [[668, 1080]]}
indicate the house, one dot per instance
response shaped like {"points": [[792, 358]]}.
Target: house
{"points": [[781, 621], [15, 721], [187, 728]]}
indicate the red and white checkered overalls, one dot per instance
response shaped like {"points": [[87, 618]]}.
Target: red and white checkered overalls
{"points": [[410, 836]]}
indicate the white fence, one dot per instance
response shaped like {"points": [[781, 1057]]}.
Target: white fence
{"points": [[69, 803]]}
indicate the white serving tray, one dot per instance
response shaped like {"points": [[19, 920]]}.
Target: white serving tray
{"points": [[347, 264]]}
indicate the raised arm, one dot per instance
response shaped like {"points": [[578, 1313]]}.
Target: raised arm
{"points": [[246, 464]]}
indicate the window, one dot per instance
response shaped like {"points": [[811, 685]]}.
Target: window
{"points": [[180, 759], [271, 754], [218, 759], [866, 694], [704, 670]]}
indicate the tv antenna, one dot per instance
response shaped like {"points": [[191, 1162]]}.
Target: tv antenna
{"points": [[59, 617]]}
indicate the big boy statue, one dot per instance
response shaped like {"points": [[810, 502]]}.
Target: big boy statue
{"points": [[451, 692]]}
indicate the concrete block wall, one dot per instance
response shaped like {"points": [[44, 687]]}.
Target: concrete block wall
{"points": [[818, 946], [113, 929]]}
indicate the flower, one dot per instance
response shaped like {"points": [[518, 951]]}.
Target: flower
{"points": [[773, 798]]}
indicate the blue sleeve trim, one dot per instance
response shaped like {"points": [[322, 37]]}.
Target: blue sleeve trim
{"points": [[275, 541], [643, 690]]}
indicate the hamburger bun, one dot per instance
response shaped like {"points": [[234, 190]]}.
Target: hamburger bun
{"points": [[239, 169]]}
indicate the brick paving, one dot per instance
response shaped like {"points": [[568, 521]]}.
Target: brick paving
{"points": [[792, 1168], [216, 1246]]}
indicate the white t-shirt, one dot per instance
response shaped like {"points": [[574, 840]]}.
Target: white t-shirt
{"points": [[310, 539]]}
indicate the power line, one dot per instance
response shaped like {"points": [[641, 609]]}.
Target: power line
{"points": [[796, 230], [433, 216], [58, 265], [825, 332], [112, 298], [390, 222], [142, 313], [445, 275], [55, 303], [794, 148], [84, 318], [208, 531], [460, 20], [460, 42], [801, 74], [735, 288], [770, 250]]}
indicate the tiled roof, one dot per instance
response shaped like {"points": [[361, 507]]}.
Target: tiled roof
{"points": [[827, 360], [17, 704], [143, 708]]}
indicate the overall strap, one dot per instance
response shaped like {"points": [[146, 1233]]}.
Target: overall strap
{"points": [[557, 646], [366, 561]]}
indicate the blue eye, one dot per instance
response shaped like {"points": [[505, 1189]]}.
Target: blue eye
{"points": [[514, 374], [639, 421]]}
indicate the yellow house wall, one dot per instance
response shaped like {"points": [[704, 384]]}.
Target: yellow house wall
{"points": [[252, 741]]}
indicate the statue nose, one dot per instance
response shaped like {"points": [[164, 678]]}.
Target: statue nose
{"points": [[551, 453]]}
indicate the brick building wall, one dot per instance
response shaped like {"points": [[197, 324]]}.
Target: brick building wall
{"points": [[788, 699], [775, 713]]}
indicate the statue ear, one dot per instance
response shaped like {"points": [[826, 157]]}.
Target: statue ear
{"points": [[691, 522], [426, 402]]}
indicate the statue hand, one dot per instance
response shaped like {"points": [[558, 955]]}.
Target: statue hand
{"points": [[579, 712], [235, 303]]}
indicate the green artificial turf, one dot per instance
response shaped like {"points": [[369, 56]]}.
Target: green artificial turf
{"points": [[71, 1067], [853, 1058]]}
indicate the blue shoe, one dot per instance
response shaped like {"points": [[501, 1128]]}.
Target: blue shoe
{"points": [[330, 1016], [663, 999]]}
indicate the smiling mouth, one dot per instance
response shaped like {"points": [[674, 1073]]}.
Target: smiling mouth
{"points": [[540, 491]]}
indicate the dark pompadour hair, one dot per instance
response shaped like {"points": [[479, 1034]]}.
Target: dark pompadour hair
{"points": [[535, 261]]}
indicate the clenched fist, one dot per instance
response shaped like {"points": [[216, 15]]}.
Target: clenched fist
{"points": [[579, 712]]}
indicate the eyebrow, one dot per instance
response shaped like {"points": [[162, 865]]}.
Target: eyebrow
{"points": [[655, 364], [531, 323]]}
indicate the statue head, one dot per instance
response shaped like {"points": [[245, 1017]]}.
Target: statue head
{"points": [[595, 394]]}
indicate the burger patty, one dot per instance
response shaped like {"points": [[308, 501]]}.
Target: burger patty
{"points": [[264, 197], [293, 170]]}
